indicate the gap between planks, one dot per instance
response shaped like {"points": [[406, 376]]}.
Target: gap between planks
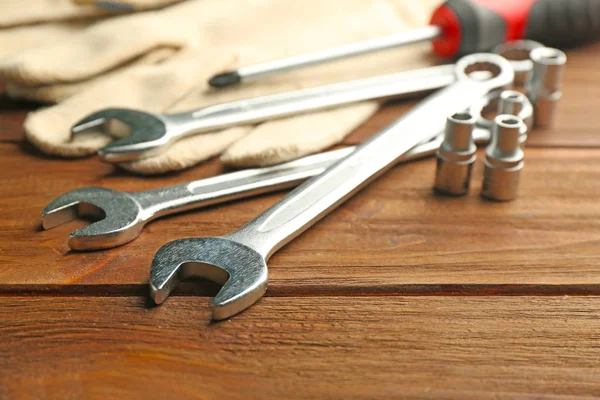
{"points": [[208, 289]]}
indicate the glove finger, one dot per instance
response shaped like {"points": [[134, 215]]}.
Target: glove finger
{"points": [[20, 38], [49, 128], [25, 12], [187, 152], [100, 48], [283, 140], [112, 42], [61, 91], [128, 4]]}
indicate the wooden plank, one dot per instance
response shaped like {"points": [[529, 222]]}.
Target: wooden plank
{"points": [[284, 348], [12, 115], [394, 237]]}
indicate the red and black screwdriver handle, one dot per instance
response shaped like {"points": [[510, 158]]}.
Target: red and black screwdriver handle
{"points": [[470, 26]]}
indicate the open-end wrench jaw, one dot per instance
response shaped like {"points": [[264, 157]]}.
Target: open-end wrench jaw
{"points": [[118, 217], [240, 269], [146, 132]]}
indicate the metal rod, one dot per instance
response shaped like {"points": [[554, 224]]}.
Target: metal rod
{"points": [[254, 72]]}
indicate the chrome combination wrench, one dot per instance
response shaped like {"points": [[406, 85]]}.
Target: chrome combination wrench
{"points": [[124, 214], [154, 133], [239, 260], [150, 133]]}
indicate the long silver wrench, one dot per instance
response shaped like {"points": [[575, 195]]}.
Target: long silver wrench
{"points": [[154, 133], [125, 214], [239, 260]]}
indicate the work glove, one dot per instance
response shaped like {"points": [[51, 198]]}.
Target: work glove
{"points": [[19, 38], [203, 37]]}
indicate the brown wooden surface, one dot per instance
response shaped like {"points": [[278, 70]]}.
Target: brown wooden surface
{"points": [[302, 347], [395, 237], [502, 296]]}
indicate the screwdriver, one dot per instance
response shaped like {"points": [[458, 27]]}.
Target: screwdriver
{"points": [[456, 28]]}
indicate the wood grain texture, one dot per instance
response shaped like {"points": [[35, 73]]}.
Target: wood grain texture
{"points": [[334, 323], [12, 115], [394, 237], [305, 348]]}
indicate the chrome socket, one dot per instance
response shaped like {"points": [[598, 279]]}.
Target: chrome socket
{"points": [[545, 109], [503, 159], [503, 102], [513, 103], [456, 156], [517, 53], [544, 88]]}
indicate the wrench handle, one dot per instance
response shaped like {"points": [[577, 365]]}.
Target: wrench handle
{"points": [[234, 185], [250, 111], [252, 182], [311, 201]]}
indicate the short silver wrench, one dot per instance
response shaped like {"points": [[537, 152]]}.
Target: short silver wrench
{"points": [[239, 260], [152, 133], [121, 216]]}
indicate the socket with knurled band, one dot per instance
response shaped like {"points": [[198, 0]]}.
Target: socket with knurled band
{"points": [[544, 89], [456, 156], [503, 159]]}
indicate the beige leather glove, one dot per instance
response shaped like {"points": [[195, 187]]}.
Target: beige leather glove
{"points": [[208, 36], [17, 39], [25, 24]]}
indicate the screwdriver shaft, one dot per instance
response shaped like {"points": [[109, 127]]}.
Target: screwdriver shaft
{"points": [[253, 72]]}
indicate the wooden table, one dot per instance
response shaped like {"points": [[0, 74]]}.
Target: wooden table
{"points": [[398, 293]]}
